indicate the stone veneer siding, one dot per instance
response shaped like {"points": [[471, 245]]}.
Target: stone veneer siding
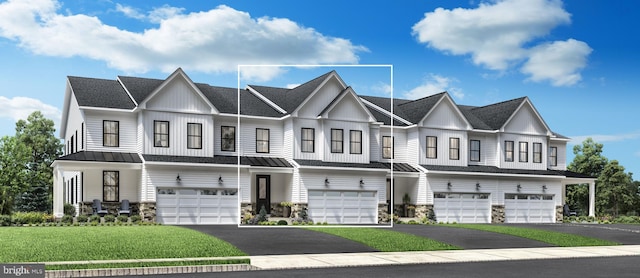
{"points": [[497, 214], [146, 210], [559, 214], [383, 214]]}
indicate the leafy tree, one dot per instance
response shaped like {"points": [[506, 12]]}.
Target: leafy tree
{"points": [[13, 172], [35, 147], [615, 188], [588, 160]]}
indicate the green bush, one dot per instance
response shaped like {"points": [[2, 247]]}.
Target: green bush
{"points": [[109, 218], [136, 219], [67, 219], [123, 218], [283, 222], [69, 209], [94, 218], [21, 218], [5, 220], [82, 218], [413, 222]]}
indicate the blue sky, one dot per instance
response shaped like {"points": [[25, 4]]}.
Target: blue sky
{"points": [[576, 60]]}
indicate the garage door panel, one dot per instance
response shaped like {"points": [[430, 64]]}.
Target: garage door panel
{"points": [[529, 208], [197, 206], [462, 207], [343, 207]]}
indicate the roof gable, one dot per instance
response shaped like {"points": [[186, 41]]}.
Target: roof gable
{"points": [[290, 99], [178, 93], [496, 115], [445, 114], [526, 119], [347, 106], [416, 110]]}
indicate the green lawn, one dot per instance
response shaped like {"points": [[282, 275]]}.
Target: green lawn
{"points": [[551, 237], [387, 240], [48, 244]]}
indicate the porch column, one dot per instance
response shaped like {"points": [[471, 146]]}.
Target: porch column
{"points": [[592, 198], [58, 193]]}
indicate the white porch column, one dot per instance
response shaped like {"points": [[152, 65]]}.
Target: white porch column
{"points": [[592, 198], [58, 193]]}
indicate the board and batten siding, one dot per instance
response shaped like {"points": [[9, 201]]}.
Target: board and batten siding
{"points": [[445, 116], [341, 181], [298, 125], [178, 96], [128, 123], [178, 133], [289, 144], [488, 150], [318, 101], [530, 139], [74, 125], [443, 136], [525, 121], [375, 144], [217, 139], [346, 155], [247, 137]]}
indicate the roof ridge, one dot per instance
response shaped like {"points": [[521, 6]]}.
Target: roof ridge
{"points": [[423, 98], [499, 103]]}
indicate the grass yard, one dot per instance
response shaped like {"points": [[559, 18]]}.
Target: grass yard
{"points": [[551, 237], [49, 244], [387, 240]]}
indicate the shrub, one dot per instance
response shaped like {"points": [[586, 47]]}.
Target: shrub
{"points": [[5, 220], [69, 209], [67, 219], [136, 219], [21, 218], [413, 222], [262, 216], [283, 222], [94, 218], [109, 218], [123, 218], [82, 218]]}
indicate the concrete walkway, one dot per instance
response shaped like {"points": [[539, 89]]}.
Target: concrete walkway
{"points": [[297, 261]]}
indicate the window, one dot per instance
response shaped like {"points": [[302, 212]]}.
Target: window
{"points": [[161, 134], [72, 145], [110, 133], [508, 151], [355, 141], [537, 152], [194, 136], [82, 136], [432, 147], [336, 140], [474, 150], [523, 152], [553, 156], [228, 142], [110, 186], [454, 148], [308, 140], [387, 147], [262, 140]]}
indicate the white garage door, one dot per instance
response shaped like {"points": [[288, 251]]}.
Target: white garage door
{"points": [[343, 207], [529, 208], [462, 207], [197, 206]]}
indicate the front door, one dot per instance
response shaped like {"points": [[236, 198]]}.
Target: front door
{"points": [[263, 193]]}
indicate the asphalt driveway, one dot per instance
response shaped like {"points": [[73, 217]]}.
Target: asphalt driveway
{"points": [[282, 240], [620, 233]]}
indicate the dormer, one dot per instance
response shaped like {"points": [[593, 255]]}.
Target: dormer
{"points": [[526, 120], [178, 93], [445, 114], [347, 106]]}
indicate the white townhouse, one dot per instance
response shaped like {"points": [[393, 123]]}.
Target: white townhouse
{"points": [[180, 154]]}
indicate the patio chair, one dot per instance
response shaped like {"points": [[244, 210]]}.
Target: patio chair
{"points": [[124, 208], [97, 208]]}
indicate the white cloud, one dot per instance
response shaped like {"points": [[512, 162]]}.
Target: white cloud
{"points": [[495, 35], [434, 84], [19, 108], [559, 62], [602, 138], [129, 11], [383, 88], [209, 41]]}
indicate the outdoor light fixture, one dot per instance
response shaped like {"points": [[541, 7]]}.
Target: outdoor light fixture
{"points": [[326, 182], [544, 187], [449, 185], [178, 178], [477, 186], [519, 187], [220, 181], [361, 182]]}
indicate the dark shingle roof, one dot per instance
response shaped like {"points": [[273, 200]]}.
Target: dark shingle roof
{"points": [[496, 115], [231, 160], [102, 157], [415, 110], [226, 101], [140, 88], [104, 93], [490, 169], [290, 99], [399, 167]]}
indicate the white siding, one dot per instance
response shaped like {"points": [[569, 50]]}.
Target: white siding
{"points": [[74, 125], [399, 144], [488, 150], [445, 116], [443, 147], [321, 99], [128, 130], [289, 139], [218, 123], [178, 96], [345, 180], [189, 178], [375, 144], [178, 133], [530, 139], [346, 155], [349, 109], [562, 155], [248, 137], [525, 121], [93, 183], [413, 145], [318, 145]]}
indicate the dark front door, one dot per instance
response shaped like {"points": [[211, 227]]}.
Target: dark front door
{"points": [[263, 193]]}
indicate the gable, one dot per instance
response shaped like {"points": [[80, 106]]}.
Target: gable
{"points": [[348, 108], [526, 121], [322, 97], [445, 115], [178, 94]]}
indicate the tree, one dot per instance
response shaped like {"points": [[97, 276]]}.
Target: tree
{"points": [[615, 188], [588, 160], [37, 135], [13, 172]]}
